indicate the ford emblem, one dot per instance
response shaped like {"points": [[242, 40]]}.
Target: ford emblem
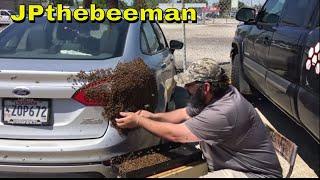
{"points": [[21, 91]]}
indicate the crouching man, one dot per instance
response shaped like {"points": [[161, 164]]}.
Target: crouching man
{"points": [[232, 137]]}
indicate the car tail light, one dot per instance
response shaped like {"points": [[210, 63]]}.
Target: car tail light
{"points": [[107, 162], [80, 95]]}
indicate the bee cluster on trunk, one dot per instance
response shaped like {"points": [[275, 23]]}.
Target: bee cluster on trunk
{"points": [[130, 87]]}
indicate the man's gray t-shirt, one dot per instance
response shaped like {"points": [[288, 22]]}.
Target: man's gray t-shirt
{"points": [[233, 137]]}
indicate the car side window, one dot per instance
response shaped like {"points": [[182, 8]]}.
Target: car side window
{"points": [[292, 18], [152, 40], [271, 12], [162, 40], [144, 43]]}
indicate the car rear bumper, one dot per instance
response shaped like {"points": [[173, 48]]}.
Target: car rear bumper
{"points": [[14, 151], [60, 158], [66, 157], [89, 170]]}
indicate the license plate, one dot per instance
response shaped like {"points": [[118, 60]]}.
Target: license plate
{"points": [[26, 112]]}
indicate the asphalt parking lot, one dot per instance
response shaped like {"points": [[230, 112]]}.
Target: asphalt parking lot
{"points": [[210, 40]]}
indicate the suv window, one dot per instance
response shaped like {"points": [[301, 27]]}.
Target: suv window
{"points": [[271, 11], [152, 40], [160, 36], [292, 17]]}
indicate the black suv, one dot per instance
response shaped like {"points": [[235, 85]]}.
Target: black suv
{"points": [[276, 51]]}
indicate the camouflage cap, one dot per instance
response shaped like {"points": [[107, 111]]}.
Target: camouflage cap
{"points": [[201, 70]]}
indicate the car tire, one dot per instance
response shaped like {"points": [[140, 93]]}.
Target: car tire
{"points": [[235, 71], [238, 81]]}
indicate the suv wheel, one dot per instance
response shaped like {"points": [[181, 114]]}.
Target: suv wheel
{"points": [[238, 81], [235, 72]]}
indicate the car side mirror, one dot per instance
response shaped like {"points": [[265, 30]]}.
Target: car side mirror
{"points": [[246, 15], [174, 45]]}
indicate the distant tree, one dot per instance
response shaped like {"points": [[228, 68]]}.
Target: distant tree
{"points": [[257, 7], [65, 2], [112, 3], [86, 3], [225, 6], [164, 1], [196, 1], [139, 4], [152, 3], [123, 5], [242, 5], [101, 3]]}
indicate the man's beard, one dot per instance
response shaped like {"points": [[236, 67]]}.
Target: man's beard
{"points": [[197, 101]]}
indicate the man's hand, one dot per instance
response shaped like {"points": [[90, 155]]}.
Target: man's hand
{"points": [[176, 117], [170, 131], [145, 114], [129, 121]]}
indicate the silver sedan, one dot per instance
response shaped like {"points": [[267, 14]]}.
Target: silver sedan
{"points": [[45, 125]]}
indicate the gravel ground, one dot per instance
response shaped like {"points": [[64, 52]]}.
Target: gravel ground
{"points": [[202, 41]]}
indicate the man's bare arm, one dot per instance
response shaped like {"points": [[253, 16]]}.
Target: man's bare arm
{"points": [[172, 132], [175, 117]]}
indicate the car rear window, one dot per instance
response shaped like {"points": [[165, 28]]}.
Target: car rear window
{"points": [[45, 40]]}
